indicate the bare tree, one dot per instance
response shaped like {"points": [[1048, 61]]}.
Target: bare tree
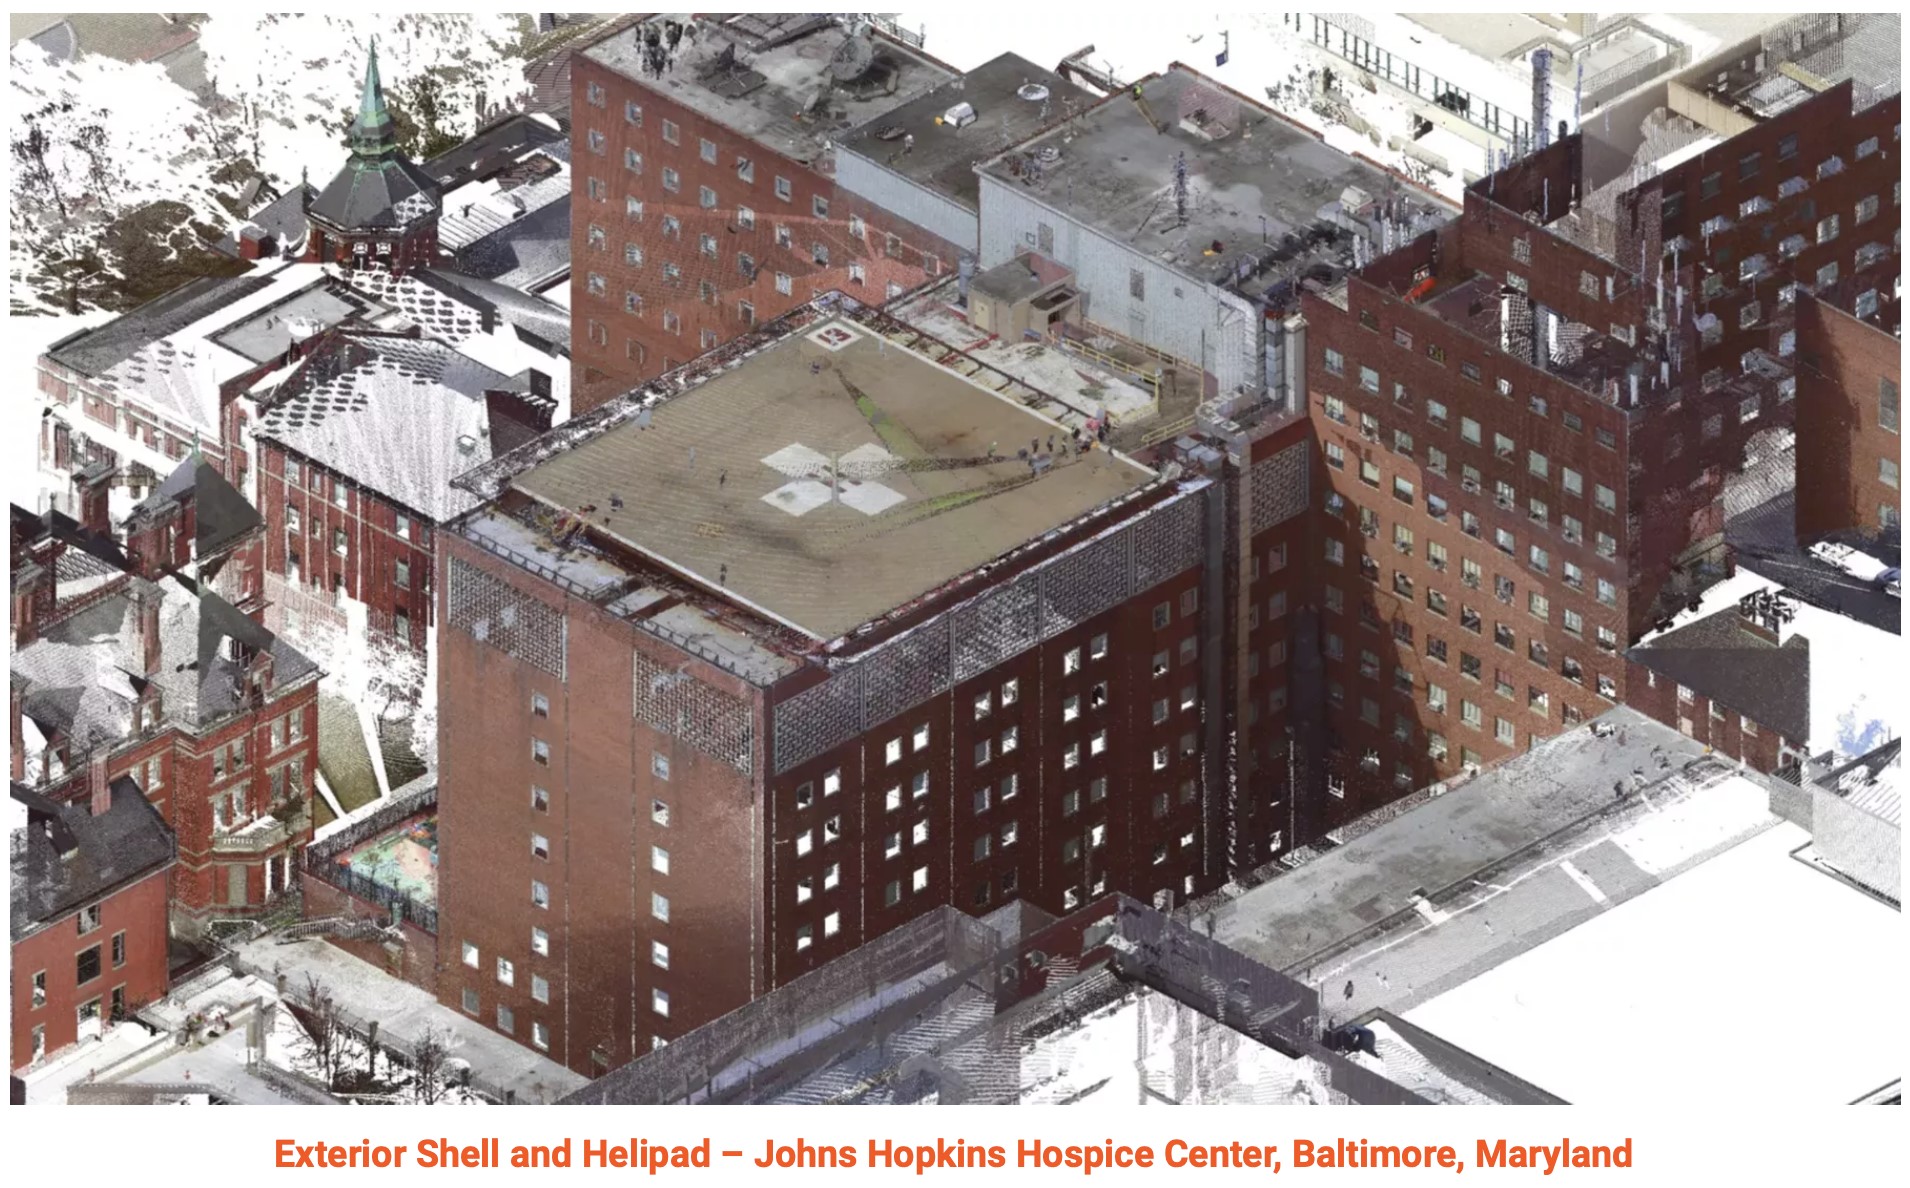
{"points": [[322, 1030], [430, 1055]]}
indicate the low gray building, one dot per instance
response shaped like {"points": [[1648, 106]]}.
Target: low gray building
{"points": [[1192, 218], [919, 160]]}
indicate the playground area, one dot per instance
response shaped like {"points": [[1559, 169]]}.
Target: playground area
{"points": [[404, 860]]}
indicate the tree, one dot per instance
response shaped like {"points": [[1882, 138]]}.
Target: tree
{"points": [[430, 1063], [97, 140], [289, 75], [322, 1034]]}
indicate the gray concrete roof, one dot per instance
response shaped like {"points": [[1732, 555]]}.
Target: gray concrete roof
{"points": [[724, 485], [221, 514], [943, 157], [96, 351], [1115, 174], [767, 96], [1286, 922]]}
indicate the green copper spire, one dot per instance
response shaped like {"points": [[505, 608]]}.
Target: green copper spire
{"points": [[372, 134]]}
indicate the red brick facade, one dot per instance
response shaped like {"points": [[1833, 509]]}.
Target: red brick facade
{"points": [[1430, 624], [334, 539], [661, 273], [1849, 433], [122, 953], [1076, 767], [1725, 731], [414, 961]]}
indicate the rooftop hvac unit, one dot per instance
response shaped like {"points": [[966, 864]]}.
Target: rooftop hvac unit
{"points": [[959, 116]]}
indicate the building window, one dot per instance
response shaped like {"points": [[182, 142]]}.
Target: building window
{"points": [[1887, 411], [784, 190], [506, 971], [540, 894], [540, 944], [540, 846], [660, 1002]]}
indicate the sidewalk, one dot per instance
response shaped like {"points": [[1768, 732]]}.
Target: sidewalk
{"points": [[403, 1011]]}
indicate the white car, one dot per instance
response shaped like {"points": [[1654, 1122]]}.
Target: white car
{"points": [[1861, 566]]}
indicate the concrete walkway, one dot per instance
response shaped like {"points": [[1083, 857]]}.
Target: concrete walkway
{"points": [[403, 1012]]}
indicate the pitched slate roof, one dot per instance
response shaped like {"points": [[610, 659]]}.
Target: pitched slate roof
{"points": [[222, 514], [402, 416], [378, 187], [84, 675], [63, 857], [1719, 658]]}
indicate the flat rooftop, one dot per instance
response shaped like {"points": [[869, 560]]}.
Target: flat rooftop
{"points": [[763, 74], [943, 156], [1252, 177], [1318, 906], [1687, 992], [730, 483]]}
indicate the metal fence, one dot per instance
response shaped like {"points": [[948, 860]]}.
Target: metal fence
{"points": [[321, 858], [1404, 74], [397, 1049]]}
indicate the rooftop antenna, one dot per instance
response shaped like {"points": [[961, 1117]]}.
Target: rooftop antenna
{"points": [[1180, 188], [1542, 96], [1578, 97]]}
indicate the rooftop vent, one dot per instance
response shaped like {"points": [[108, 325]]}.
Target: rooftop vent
{"points": [[1033, 92], [852, 58], [959, 116], [466, 443]]}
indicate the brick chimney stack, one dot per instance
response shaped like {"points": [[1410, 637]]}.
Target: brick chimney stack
{"points": [[16, 743], [149, 643], [99, 788], [91, 485]]}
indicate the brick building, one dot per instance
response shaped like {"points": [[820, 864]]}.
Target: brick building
{"points": [[358, 447], [727, 694], [1737, 680], [87, 913], [1849, 438], [706, 199], [1542, 432], [124, 668], [380, 210], [1122, 196]]}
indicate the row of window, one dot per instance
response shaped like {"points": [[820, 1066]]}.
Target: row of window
{"points": [[1504, 447], [86, 965], [1749, 165]]}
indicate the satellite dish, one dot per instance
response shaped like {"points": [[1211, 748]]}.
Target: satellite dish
{"points": [[1033, 92], [852, 59]]}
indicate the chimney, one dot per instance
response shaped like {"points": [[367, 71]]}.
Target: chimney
{"points": [[262, 674], [16, 743], [91, 484], [149, 643], [1768, 616], [251, 243], [99, 788]]}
